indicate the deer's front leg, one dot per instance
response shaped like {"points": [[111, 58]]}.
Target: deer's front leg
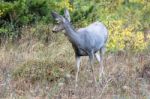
{"points": [[78, 60]]}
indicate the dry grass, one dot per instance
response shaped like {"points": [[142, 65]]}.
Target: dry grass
{"points": [[33, 70]]}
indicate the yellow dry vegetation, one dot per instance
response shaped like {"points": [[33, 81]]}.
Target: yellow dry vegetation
{"points": [[125, 38]]}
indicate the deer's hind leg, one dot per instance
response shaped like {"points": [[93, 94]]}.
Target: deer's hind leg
{"points": [[91, 60], [99, 57]]}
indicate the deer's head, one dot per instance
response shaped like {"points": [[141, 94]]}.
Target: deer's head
{"points": [[60, 20]]}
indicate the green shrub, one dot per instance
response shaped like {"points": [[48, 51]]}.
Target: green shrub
{"points": [[17, 13], [38, 71]]}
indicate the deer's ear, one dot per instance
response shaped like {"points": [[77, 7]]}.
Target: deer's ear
{"points": [[67, 15], [56, 16]]}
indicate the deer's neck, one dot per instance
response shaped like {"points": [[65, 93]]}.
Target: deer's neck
{"points": [[72, 35]]}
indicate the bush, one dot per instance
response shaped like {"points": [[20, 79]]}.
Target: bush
{"points": [[122, 17], [125, 38], [38, 71]]}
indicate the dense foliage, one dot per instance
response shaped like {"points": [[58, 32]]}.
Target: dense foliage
{"points": [[126, 19]]}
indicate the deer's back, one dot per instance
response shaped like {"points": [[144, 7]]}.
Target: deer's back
{"points": [[93, 36]]}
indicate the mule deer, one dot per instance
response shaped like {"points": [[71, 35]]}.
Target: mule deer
{"points": [[85, 41]]}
